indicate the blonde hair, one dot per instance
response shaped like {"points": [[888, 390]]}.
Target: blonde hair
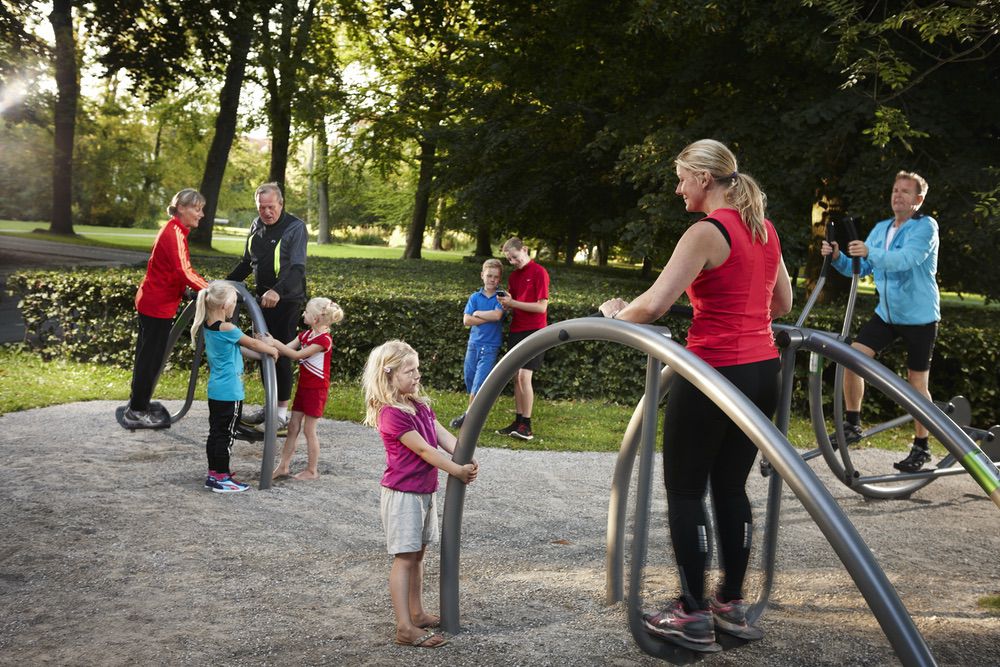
{"points": [[513, 243], [921, 182], [493, 263], [383, 362], [218, 294], [327, 312], [709, 155], [186, 197]]}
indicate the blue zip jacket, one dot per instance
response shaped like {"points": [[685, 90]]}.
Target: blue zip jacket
{"points": [[904, 272]]}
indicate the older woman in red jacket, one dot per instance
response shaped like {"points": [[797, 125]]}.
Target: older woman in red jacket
{"points": [[168, 274]]}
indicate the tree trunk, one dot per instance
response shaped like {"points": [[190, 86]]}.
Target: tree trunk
{"points": [[282, 82], [572, 243], [281, 130], [322, 186], [484, 245], [421, 200], [602, 252], [225, 123], [68, 88], [439, 225]]}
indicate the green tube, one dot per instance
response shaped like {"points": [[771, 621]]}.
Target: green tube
{"points": [[984, 472]]}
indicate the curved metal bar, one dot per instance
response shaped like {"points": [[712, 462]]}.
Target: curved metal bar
{"points": [[614, 590], [950, 434], [267, 367], [878, 592], [270, 381], [820, 282], [181, 324]]}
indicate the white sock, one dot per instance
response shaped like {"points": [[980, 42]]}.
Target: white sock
{"points": [[282, 412]]}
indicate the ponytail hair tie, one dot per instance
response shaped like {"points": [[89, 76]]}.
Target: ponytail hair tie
{"points": [[733, 175]]}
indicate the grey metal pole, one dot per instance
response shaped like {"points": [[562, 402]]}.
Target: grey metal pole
{"points": [[614, 589], [815, 498], [270, 381]]}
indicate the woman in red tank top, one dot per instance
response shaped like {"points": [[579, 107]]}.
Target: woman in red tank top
{"points": [[730, 265]]}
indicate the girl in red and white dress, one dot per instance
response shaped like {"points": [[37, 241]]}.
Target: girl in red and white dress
{"points": [[312, 349]]}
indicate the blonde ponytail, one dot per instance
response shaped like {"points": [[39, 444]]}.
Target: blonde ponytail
{"points": [[743, 193]]}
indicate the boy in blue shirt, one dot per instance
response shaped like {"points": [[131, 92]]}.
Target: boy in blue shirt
{"points": [[483, 315]]}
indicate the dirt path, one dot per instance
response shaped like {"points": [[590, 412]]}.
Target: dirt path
{"points": [[113, 554]]}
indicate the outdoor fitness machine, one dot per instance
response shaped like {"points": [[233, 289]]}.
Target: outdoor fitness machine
{"points": [[640, 437], [833, 446], [270, 383]]}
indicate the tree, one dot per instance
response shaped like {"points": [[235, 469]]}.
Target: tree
{"points": [[240, 39], [281, 59], [412, 56], [64, 118]]}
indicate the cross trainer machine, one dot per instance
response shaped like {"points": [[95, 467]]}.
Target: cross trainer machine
{"points": [[640, 438], [833, 445], [182, 324]]}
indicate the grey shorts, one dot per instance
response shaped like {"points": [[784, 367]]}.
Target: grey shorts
{"points": [[409, 519]]}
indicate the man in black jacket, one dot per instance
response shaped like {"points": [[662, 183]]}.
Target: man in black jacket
{"points": [[276, 255]]}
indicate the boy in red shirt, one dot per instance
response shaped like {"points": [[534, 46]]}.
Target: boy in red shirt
{"points": [[528, 298]]}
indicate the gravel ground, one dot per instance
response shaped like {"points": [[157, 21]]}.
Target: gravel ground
{"points": [[113, 554]]}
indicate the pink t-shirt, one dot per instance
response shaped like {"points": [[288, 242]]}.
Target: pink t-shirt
{"points": [[404, 470]]}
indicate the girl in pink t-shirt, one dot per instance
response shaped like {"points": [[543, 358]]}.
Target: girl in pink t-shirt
{"points": [[312, 349], [413, 440]]}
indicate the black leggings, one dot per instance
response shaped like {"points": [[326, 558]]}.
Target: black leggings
{"points": [[150, 346], [701, 444], [222, 419]]}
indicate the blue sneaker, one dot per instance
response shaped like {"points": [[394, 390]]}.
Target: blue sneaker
{"points": [[224, 484]]}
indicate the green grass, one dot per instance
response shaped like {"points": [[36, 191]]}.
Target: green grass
{"points": [[990, 603], [26, 381], [222, 244]]}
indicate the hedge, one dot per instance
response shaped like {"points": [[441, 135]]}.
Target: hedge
{"points": [[88, 315]]}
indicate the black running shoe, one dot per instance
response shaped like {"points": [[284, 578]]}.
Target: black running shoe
{"points": [[917, 458], [507, 430], [523, 431], [458, 421], [852, 434]]}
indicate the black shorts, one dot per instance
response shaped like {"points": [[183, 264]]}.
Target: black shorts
{"points": [[919, 338], [514, 338]]}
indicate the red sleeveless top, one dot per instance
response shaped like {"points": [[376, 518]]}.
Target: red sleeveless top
{"points": [[732, 302]]}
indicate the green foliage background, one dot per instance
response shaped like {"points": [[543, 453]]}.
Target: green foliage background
{"points": [[88, 315]]}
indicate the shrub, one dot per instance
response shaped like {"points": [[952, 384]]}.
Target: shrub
{"points": [[88, 315]]}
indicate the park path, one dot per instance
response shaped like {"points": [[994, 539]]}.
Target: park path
{"points": [[17, 252]]}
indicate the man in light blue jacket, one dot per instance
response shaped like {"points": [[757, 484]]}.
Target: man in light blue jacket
{"points": [[901, 255]]}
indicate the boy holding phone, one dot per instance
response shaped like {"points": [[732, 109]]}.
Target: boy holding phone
{"points": [[483, 315]]}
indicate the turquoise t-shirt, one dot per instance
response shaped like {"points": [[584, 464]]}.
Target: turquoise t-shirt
{"points": [[225, 363]]}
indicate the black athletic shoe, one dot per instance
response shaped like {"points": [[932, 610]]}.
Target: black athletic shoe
{"points": [[507, 430], [141, 417], [917, 458], [458, 421], [523, 431], [852, 434]]}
